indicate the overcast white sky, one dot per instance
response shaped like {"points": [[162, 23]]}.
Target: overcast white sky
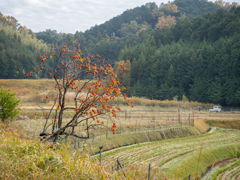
{"points": [[68, 15]]}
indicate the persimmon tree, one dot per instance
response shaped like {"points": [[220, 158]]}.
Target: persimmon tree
{"points": [[70, 65]]}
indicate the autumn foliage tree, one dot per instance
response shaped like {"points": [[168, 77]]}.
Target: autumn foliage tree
{"points": [[165, 10], [165, 22], [122, 70], [8, 20], [70, 65], [169, 8]]}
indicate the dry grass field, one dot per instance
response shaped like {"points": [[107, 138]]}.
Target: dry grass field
{"points": [[26, 87], [135, 127]]}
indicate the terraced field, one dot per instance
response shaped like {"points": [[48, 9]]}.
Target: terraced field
{"points": [[229, 172], [178, 157]]}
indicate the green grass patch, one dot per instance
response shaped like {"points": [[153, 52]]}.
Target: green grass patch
{"points": [[175, 156]]}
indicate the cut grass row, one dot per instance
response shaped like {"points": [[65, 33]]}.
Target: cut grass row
{"points": [[176, 153], [126, 139]]}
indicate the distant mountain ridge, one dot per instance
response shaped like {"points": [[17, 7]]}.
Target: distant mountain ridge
{"points": [[131, 27]]}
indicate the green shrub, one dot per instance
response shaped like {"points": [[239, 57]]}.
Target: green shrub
{"points": [[8, 105], [175, 98], [184, 98]]}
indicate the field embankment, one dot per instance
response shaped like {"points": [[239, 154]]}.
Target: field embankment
{"points": [[126, 139], [226, 124], [201, 125]]}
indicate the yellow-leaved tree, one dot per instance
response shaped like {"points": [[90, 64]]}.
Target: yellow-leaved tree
{"points": [[169, 8], [165, 22]]}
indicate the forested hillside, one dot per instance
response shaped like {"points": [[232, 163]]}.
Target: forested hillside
{"points": [[168, 50], [19, 49], [199, 58], [132, 27]]}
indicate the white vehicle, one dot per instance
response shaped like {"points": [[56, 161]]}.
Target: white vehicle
{"points": [[215, 109]]}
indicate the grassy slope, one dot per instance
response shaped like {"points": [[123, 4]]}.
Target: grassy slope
{"points": [[135, 138], [24, 158], [180, 155], [201, 125], [189, 164]]}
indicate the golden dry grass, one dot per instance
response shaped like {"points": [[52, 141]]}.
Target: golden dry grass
{"points": [[27, 86], [25, 158], [168, 103], [224, 123], [23, 87], [32, 90], [201, 125]]}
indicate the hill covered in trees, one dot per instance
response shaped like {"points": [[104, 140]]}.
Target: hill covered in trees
{"points": [[132, 27], [198, 58], [168, 51], [19, 45], [19, 49]]}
